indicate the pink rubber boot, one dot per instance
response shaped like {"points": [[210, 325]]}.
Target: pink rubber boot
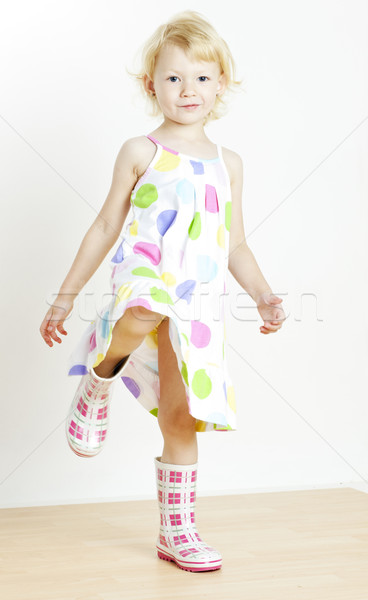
{"points": [[88, 416], [178, 540]]}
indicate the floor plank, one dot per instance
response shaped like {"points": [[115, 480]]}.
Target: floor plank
{"points": [[299, 545]]}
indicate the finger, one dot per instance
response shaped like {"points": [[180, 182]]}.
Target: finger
{"points": [[276, 322], [264, 330], [47, 339], [61, 329], [280, 317], [271, 327], [45, 323], [55, 338], [45, 334], [52, 334]]}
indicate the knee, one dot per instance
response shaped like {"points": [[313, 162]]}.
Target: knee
{"points": [[138, 320], [176, 422]]}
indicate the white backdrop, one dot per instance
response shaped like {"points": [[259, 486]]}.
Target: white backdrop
{"points": [[66, 107]]}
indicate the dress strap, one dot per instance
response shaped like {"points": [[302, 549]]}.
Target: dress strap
{"points": [[150, 137]]}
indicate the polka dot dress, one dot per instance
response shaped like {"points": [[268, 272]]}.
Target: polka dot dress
{"points": [[173, 260]]}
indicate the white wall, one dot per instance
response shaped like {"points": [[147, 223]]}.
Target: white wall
{"points": [[66, 107]]}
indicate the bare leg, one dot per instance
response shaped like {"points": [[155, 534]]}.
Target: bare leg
{"points": [[128, 333], [176, 423]]}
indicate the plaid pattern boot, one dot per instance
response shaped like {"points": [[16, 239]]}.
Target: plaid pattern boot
{"points": [[178, 540], [88, 416]]}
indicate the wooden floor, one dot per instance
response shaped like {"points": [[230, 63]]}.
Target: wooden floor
{"points": [[309, 545]]}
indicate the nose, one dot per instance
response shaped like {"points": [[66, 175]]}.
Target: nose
{"points": [[187, 89]]}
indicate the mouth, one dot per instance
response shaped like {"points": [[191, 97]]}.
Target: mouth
{"points": [[189, 106]]}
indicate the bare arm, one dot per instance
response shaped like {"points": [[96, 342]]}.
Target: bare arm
{"points": [[133, 156], [106, 228], [242, 263]]}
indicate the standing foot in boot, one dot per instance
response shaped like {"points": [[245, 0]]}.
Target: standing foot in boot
{"points": [[178, 540]]}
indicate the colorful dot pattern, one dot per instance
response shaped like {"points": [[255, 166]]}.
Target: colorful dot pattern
{"points": [[173, 260]]}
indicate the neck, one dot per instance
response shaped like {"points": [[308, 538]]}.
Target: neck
{"points": [[191, 133]]}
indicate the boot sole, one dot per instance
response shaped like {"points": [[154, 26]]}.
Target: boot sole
{"points": [[188, 566]]}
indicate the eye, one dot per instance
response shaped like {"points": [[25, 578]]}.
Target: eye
{"points": [[173, 77], [203, 77]]}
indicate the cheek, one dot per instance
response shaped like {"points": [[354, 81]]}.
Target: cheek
{"points": [[167, 94], [210, 97], [210, 91]]}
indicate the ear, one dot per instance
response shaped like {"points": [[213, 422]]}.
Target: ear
{"points": [[222, 85], [148, 85]]}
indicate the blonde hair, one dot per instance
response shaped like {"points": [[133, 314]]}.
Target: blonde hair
{"points": [[192, 32]]}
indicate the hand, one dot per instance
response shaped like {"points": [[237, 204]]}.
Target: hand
{"points": [[55, 318], [273, 316]]}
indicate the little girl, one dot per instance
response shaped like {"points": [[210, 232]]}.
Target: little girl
{"points": [[163, 333]]}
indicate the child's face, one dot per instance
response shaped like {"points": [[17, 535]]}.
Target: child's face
{"points": [[179, 82]]}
